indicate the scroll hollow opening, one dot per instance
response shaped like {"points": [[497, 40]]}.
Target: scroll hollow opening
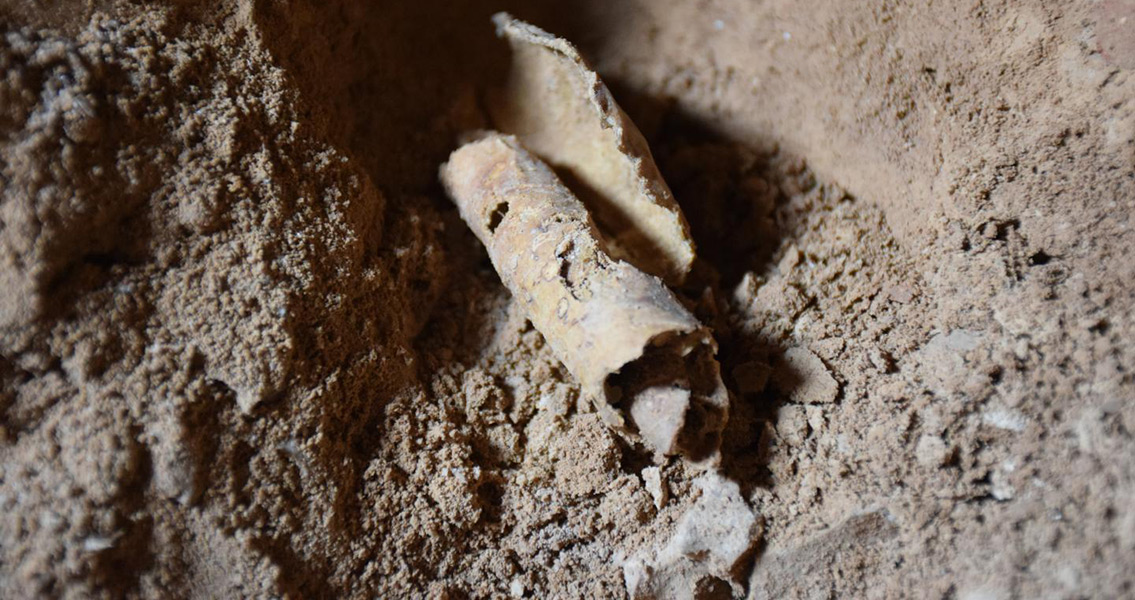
{"points": [[674, 398], [497, 216]]}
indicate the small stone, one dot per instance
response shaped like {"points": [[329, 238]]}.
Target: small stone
{"points": [[900, 293], [712, 540], [1007, 419], [659, 491], [829, 348], [804, 377], [815, 418], [800, 569], [780, 298], [1001, 488], [959, 340], [720, 530], [792, 425], [932, 451], [789, 261], [97, 543], [881, 360], [746, 291]]}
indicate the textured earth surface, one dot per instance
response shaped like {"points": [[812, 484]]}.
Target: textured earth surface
{"points": [[248, 348]]}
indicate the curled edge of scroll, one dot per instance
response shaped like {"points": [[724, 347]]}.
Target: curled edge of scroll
{"points": [[559, 108]]}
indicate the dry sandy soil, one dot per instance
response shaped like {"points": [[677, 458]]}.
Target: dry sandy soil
{"points": [[248, 348]]}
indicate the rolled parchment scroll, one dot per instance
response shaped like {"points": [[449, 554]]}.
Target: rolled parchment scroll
{"points": [[645, 361]]}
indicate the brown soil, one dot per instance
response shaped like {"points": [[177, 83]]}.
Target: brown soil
{"points": [[248, 348]]}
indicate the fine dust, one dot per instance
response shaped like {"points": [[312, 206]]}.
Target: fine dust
{"points": [[249, 348]]}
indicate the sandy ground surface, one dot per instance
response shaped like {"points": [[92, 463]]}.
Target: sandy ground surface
{"points": [[248, 348]]}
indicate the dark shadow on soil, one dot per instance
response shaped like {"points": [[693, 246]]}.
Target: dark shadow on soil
{"points": [[361, 62], [369, 61], [729, 192]]}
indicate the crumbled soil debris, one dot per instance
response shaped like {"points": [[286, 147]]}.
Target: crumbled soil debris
{"points": [[248, 348]]}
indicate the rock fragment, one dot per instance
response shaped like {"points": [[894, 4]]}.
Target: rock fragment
{"points": [[656, 485], [932, 451], [792, 424], [714, 541], [804, 377], [799, 571]]}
